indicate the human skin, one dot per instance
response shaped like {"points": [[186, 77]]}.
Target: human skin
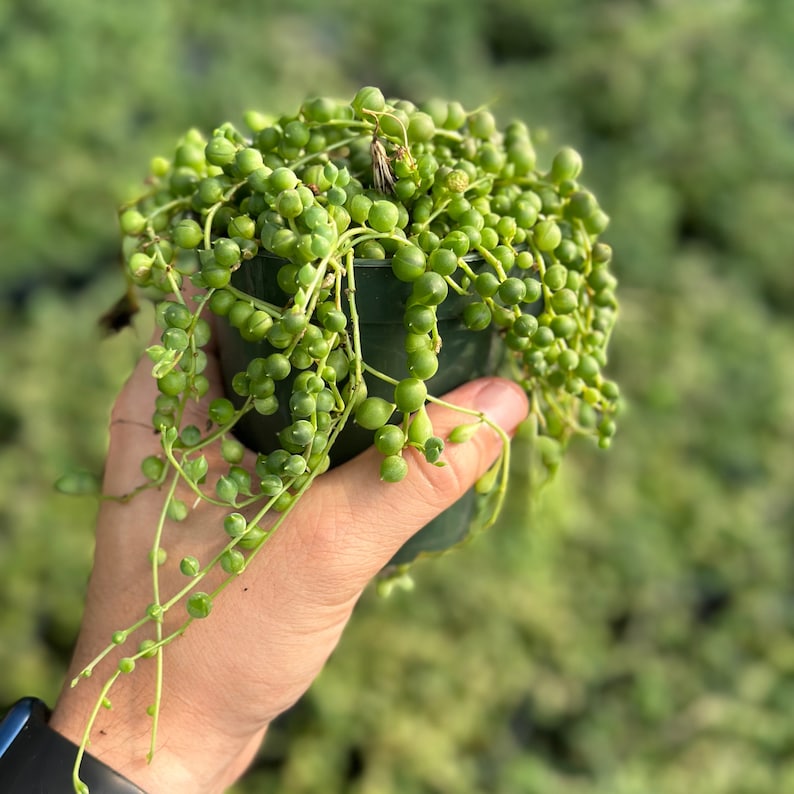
{"points": [[272, 630]]}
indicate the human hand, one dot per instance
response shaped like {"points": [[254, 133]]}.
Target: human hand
{"points": [[272, 630]]}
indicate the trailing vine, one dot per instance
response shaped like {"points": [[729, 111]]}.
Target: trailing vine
{"points": [[458, 215]]}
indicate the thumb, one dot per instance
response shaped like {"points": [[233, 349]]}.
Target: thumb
{"points": [[358, 522]]}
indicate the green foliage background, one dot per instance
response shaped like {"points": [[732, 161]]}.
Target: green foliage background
{"points": [[631, 632]]}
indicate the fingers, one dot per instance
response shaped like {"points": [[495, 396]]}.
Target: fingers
{"points": [[132, 434], [351, 523]]}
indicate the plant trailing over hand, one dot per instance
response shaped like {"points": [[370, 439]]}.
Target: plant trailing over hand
{"points": [[457, 213]]}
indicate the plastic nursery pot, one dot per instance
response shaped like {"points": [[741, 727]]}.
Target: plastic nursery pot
{"points": [[381, 301]]}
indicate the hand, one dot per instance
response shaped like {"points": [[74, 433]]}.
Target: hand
{"points": [[271, 631]]}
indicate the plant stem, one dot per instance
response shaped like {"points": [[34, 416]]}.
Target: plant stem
{"points": [[79, 786]]}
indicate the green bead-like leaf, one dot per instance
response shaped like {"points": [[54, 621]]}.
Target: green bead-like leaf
{"points": [[189, 566], [197, 468], [393, 468], [463, 433], [421, 427], [79, 483], [126, 665], [487, 482], [164, 360], [199, 605], [374, 412]]}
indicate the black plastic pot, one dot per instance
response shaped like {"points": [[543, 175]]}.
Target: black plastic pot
{"points": [[381, 301]]}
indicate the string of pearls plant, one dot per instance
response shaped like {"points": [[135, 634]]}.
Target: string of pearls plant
{"points": [[455, 207]]}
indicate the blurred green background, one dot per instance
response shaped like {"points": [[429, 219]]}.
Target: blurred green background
{"points": [[630, 633]]}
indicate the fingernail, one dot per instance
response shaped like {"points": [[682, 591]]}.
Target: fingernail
{"points": [[503, 402]]}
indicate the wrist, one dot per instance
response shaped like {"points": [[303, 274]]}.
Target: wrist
{"points": [[191, 753], [34, 757]]}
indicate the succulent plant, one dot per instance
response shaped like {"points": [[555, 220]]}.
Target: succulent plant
{"points": [[262, 237]]}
